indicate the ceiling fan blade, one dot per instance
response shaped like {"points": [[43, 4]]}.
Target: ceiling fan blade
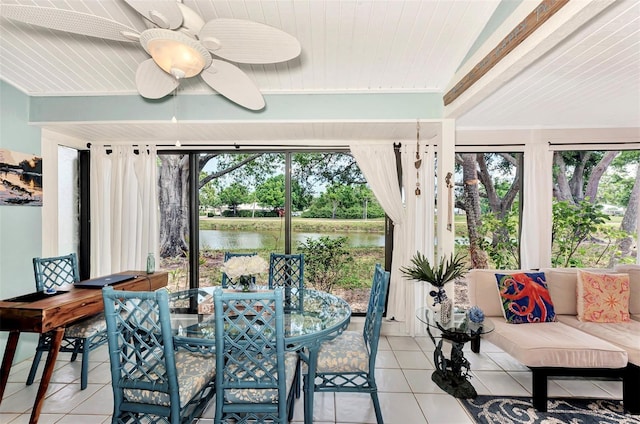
{"points": [[191, 21], [245, 41], [70, 21], [164, 13], [230, 81], [152, 82]]}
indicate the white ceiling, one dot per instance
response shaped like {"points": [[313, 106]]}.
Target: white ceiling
{"points": [[592, 79]]}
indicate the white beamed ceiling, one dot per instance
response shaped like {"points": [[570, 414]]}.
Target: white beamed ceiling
{"points": [[347, 45], [592, 79]]}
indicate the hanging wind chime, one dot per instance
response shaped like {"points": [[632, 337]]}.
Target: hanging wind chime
{"points": [[418, 161]]}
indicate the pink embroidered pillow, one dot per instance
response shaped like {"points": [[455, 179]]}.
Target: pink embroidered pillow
{"points": [[603, 297]]}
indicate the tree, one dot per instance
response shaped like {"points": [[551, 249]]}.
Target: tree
{"points": [[310, 169], [591, 189], [631, 199], [234, 195], [173, 200], [271, 192], [482, 185], [592, 165], [345, 202], [471, 205], [573, 224], [209, 196], [630, 218], [338, 168], [588, 168]]}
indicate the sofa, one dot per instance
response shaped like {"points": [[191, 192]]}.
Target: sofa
{"points": [[566, 346]]}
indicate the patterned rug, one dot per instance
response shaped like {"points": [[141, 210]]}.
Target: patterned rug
{"points": [[516, 410]]}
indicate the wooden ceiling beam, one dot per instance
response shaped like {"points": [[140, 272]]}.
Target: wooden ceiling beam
{"points": [[524, 29], [537, 33]]}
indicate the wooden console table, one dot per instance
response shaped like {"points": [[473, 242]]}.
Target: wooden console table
{"points": [[53, 313]]}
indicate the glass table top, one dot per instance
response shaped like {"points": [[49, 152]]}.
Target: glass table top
{"points": [[312, 314], [458, 324]]}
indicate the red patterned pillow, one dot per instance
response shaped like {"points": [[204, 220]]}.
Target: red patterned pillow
{"points": [[525, 298], [603, 297]]}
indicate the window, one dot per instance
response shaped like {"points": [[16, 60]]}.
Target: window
{"points": [[68, 201], [594, 214], [242, 206], [488, 208]]}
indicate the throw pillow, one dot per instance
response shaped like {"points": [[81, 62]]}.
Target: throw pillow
{"points": [[525, 298], [603, 297]]}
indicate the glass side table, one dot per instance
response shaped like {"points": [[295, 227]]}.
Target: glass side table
{"points": [[452, 374]]}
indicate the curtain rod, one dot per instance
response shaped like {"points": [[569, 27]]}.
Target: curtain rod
{"points": [[238, 147]]}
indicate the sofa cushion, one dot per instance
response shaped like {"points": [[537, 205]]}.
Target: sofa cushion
{"points": [[562, 284], [603, 297], [634, 286], [483, 290], [625, 335], [554, 344], [525, 298]]}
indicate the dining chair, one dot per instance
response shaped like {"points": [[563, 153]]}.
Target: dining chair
{"points": [[255, 374], [58, 273], [227, 255], [287, 271], [153, 379], [347, 363]]}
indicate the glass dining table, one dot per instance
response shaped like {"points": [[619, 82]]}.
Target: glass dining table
{"points": [[311, 318]]}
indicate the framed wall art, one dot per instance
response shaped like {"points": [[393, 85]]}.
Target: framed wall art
{"points": [[20, 179]]}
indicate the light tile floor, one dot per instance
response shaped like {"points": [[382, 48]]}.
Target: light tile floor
{"points": [[403, 373]]}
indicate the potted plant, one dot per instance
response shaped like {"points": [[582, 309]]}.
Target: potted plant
{"points": [[445, 271]]}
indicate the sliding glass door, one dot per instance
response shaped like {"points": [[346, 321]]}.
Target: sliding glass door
{"points": [[315, 203]]}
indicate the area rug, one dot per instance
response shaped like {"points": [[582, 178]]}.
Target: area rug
{"points": [[517, 410]]}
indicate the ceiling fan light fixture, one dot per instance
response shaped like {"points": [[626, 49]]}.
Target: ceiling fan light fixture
{"points": [[176, 53]]}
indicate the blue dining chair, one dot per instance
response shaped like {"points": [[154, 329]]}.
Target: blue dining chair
{"points": [[58, 273], [347, 363], [227, 255], [255, 374], [153, 379], [287, 271]]}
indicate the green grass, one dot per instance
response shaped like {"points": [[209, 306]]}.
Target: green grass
{"points": [[303, 225], [358, 273]]}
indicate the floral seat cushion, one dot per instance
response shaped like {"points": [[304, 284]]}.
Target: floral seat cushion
{"points": [[347, 353], [264, 395], [87, 327], [194, 372]]}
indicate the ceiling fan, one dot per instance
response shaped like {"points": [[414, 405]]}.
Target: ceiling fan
{"points": [[181, 45]]}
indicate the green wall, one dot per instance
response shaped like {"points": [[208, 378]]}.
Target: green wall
{"points": [[214, 107], [20, 226]]}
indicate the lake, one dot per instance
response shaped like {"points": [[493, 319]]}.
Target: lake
{"points": [[272, 240]]}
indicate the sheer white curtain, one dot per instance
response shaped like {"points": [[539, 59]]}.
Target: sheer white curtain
{"points": [[377, 162], [124, 208], [419, 230], [536, 210]]}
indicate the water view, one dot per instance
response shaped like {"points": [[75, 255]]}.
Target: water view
{"points": [[274, 240]]}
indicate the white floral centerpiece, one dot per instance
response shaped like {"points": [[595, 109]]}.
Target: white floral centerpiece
{"points": [[242, 270]]}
